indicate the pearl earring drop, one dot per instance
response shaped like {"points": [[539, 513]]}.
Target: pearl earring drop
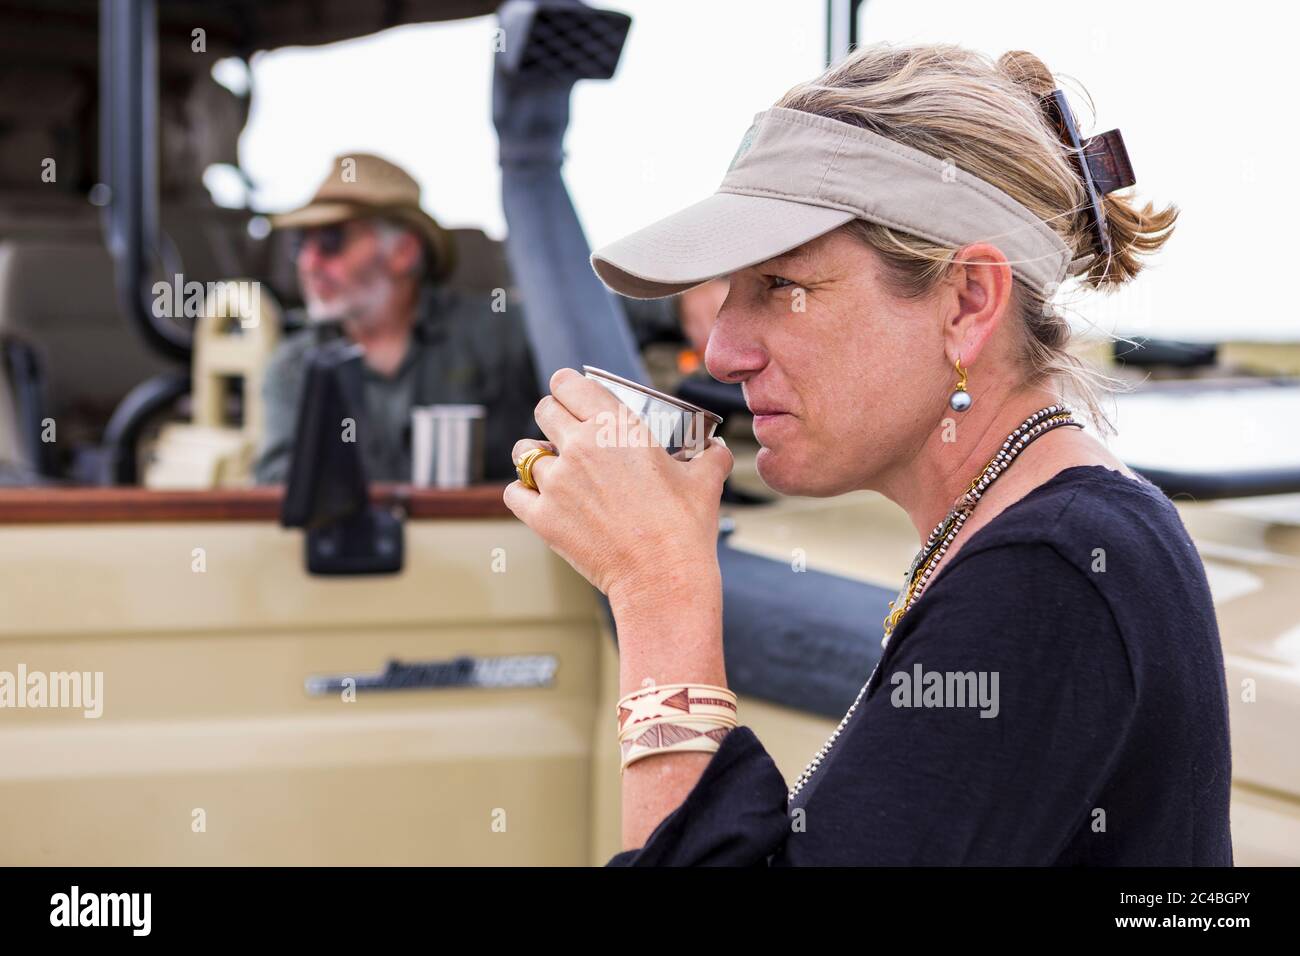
{"points": [[960, 399]]}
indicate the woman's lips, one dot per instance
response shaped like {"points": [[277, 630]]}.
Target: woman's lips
{"points": [[767, 417], [766, 420]]}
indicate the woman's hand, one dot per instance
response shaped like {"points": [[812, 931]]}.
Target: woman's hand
{"points": [[627, 516]]}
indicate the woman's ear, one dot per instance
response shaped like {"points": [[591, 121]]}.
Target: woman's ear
{"points": [[979, 296]]}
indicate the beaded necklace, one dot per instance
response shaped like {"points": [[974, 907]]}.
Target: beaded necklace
{"points": [[936, 546]]}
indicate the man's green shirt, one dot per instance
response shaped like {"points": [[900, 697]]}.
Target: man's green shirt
{"points": [[462, 352]]}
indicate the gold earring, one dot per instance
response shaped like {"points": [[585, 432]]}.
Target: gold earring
{"points": [[960, 399]]}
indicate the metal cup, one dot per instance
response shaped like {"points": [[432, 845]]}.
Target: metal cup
{"points": [[447, 445], [681, 428]]}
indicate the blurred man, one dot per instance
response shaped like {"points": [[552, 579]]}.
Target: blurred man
{"points": [[370, 262]]}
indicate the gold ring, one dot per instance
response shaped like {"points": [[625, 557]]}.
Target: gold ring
{"points": [[524, 466]]}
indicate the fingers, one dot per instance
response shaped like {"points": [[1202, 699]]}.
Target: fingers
{"points": [[539, 464], [522, 501], [526, 445], [555, 421], [583, 398]]}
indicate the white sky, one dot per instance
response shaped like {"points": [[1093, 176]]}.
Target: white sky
{"points": [[1202, 92]]}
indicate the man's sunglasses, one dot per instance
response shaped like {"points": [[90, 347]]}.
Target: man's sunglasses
{"points": [[328, 240]]}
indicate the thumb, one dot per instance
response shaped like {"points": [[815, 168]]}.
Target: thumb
{"points": [[716, 459]]}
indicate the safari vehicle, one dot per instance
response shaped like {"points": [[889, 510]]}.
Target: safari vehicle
{"points": [[264, 703]]}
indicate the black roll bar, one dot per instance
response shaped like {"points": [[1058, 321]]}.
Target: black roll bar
{"points": [[841, 28], [571, 318], [128, 158]]}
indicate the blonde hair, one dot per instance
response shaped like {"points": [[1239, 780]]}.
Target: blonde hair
{"points": [[984, 116]]}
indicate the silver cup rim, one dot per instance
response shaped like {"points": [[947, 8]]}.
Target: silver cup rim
{"points": [[653, 393]]}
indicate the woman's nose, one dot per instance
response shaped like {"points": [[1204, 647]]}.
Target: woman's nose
{"points": [[733, 354]]}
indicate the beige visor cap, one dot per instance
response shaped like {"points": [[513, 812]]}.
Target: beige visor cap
{"points": [[797, 176]]}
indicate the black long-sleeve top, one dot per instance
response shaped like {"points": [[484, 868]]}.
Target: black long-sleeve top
{"points": [[1100, 736]]}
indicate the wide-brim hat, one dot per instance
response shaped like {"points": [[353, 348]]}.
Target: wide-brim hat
{"points": [[362, 186]]}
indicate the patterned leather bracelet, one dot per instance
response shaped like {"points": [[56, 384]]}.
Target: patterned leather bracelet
{"points": [[679, 735], [674, 700], [636, 730]]}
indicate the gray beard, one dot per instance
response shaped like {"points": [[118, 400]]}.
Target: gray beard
{"points": [[362, 304]]}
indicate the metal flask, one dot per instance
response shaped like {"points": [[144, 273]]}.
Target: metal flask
{"points": [[681, 428]]}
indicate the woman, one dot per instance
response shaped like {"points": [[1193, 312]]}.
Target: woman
{"points": [[895, 233]]}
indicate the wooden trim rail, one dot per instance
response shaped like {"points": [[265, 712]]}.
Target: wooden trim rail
{"points": [[96, 505]]}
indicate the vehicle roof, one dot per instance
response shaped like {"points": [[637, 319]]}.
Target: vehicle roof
{"points": [[65, 33]]}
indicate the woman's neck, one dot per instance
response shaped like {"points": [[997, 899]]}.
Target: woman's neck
{"points": [[958, 449]]}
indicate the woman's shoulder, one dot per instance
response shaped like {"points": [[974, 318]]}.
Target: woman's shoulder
{"points": [[1091, 515], [1091, 543], [1062, 574]]}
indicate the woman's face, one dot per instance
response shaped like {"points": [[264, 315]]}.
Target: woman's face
{"points": [[845, 379]]}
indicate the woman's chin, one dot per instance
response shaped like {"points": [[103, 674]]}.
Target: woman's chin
{"points": [[787, 474], [782, 474]]}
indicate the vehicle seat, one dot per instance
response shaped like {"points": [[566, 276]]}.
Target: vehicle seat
{"points": [[480, 264]]}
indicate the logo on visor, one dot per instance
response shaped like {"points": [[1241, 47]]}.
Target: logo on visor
{"points": [[746, 141]]}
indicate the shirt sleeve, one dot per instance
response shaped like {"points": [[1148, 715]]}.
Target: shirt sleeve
{"points": [[735, 815], [995, 721]]}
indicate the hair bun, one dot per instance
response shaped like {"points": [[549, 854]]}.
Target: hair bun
{"points": [[1133, 231], [1027, 71]]}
